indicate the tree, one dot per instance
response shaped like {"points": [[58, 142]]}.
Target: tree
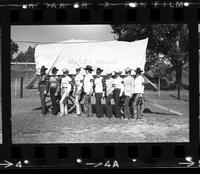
{"points": [[20, 57], [171, 40], [14, 48], [29, 54]]}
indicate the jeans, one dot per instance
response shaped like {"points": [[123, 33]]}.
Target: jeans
{"points": [[55, 105], [77, 103], [41, 89], [87, 105], [109, 106], [127, 111], [99, 107], [116, 96]]}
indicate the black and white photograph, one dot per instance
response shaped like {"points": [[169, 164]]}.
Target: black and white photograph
{"points": [[0, 93], [100, 83]]}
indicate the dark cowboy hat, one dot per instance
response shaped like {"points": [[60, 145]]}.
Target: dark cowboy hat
{"points": [[43, 68], [54, 69], [99, 70], [88, 67], [138, 70], [109, 73], [78, 69]]}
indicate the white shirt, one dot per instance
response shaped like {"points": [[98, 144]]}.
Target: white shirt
{"points": [[119, 83], [109, 85], [98, 82], [128, 85], [88, 83], [66, 82], [79, 81], [139, 87]]}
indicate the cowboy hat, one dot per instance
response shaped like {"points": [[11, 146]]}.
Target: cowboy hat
{"points": [[99, 70], [54, 69], [65, 70], [88, 67], [78, 69], [109, 73], [118, 71], [128, 69], [43, 68], [138, 70]]}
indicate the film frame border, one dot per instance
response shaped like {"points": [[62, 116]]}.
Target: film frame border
{"points": [[127, 155]]}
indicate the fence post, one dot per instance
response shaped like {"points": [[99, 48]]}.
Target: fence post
{"points": [[159, 87], [15, 86], [21, 87]]}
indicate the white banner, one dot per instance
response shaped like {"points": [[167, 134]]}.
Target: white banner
{"points": [[108, 55]]}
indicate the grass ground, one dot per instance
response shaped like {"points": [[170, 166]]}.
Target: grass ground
{"points": [[156, 126]]}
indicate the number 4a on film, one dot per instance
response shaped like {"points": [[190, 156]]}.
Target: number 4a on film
{"points": [[111, 165]]}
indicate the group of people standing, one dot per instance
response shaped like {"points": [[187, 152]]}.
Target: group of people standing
{"points": [[83, 87]]}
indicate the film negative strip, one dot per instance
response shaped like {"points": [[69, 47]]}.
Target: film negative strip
{"points": [[63, 103]]}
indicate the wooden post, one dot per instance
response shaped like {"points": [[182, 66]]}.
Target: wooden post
{"points": [[15, 86], [159, 87], [21, 87]]}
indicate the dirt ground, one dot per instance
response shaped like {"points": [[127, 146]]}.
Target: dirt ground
{"points": [[157, 125]]}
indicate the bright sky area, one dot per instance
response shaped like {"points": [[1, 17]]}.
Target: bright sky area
{"points": [[56, 33]]}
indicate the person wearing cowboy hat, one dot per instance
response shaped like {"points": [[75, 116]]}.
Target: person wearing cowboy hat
{"points": [[138, 90], [78, 84], [118, 84], [99, 85], [88, 84], [53, 88], [128, 92], [43, 85], [109, 94], [65, 87]]}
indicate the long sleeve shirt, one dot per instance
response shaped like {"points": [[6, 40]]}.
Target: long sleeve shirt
{"points": [[88, 83], [128, 85], [44, 81]]}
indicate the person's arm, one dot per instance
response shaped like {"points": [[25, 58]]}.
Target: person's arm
{"points": [[112, 87], [47, 84], [121, 88], [104, 86], [132, 86]]}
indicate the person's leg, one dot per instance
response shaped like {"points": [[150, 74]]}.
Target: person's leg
{"points": [[62, 106], [43, 103], [86, 105], [78, 109], [135, 105], [117, 103], [108, 106], [53, 100], [90, 106], [127, 112], [99, 112]]}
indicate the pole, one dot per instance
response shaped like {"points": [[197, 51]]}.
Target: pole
{"points": [[179, 84], [15, 86], [159, 87], [21, 87]]}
